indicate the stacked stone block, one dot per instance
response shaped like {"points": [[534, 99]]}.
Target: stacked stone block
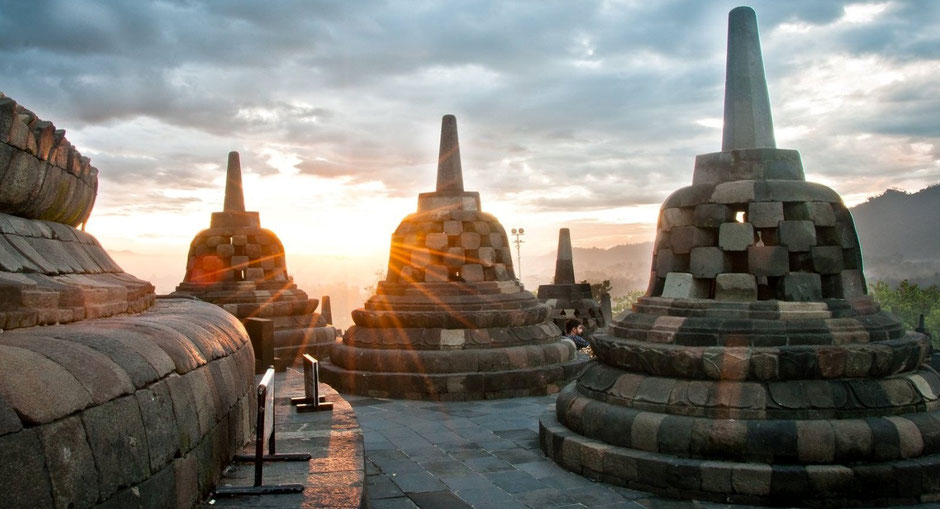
{"points": [[141, 409], [569, 299], [450, 321], [241, 267], [42, 176], [756, 369]]}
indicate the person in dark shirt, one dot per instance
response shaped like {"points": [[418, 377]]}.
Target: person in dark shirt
{"points": [[573, 331]]}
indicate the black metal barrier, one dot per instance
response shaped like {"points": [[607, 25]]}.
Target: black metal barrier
{"points": [[265, 436], [312, 400]]}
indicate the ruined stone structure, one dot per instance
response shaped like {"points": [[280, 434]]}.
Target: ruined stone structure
{"points": [[567, 298], [756, 369], [241, 267], [450, 321], [96, 408]]}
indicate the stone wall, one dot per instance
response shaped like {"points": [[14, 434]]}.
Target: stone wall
{"points": [[41, 175], [139, 411]]}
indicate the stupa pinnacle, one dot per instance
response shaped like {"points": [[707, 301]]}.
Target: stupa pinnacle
{"points": [[748, 123], [450, 321], [567, 298], [756, 369]]}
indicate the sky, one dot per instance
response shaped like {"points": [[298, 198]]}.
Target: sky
{"points": [[570, 114]]}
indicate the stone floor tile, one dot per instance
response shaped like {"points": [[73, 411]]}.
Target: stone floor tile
{"points": [[392, 503], [438, 500], [541, 469], [519, 456], [416, 482], [545, 497], [488, 464], [515, 481], [382, 487], [482, 496], [597, 494]]}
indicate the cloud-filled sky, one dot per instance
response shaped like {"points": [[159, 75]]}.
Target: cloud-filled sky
{"points": [[580, 114]]}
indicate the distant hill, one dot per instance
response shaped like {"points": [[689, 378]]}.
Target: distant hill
{"points": [[900, 235]]}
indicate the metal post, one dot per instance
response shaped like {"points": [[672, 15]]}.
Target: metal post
{"points": [[519, 232]]}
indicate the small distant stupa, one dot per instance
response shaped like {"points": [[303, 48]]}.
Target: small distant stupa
{"points": [[241, 267], [567, 298], [450, 321], [756, 369]]}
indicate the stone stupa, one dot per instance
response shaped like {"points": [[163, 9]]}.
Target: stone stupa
{"points": [[567, 298], [756, 369], [109, 397], [240, 266], [451, 321]]}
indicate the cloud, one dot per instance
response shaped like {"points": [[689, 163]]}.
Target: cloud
{"points": [[606, 96]]}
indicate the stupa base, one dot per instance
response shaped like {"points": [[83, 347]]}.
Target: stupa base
{"points": [[869, 482], [517, 383]]}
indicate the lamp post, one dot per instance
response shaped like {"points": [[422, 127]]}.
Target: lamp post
{"points": [[519, 232]]}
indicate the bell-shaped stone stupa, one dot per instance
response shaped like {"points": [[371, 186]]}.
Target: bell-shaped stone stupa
{"points": [[756, 369], [450, 321], [567, 298], [109, 397], [241, 267]]}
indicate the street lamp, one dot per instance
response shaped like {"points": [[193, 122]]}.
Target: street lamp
{"points": [[519, 233]]}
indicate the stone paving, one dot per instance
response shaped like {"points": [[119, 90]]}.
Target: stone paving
{"points": [[475, 454], [481, 454]]}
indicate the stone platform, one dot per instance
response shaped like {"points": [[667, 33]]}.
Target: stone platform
{"points": [[335, 477], [242, 267], [450, 321], [756, 369]]}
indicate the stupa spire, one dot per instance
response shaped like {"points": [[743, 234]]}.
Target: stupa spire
{"points": [[234, 196], [747, 122], [564, 266], [449, 172]]}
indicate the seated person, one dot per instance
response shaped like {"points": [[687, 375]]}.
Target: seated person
{"points": [[573, 331]]}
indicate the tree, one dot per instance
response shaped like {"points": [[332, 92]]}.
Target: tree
{"points": [[908, 302], [625, 302]]}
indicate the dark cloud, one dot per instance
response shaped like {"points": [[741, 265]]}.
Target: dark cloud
{"points": [[608, 95]]}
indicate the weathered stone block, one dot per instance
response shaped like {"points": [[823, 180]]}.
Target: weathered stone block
{"points": [[708, 262], [225, 250], [797, 235], [254, 274], [163, 436], [470, 240], [801, 286], [735, 236], [681, 285], [768, 260], [751, 479], [453, 227], [436, 241], [684, 238], [486, 256], [23, 473], [712, 215], [827, 259], [852, 284], [436, 273], [239, 262], [673, 217], [765, 214], [736, 287], [39, 389], [472, 272], [70, 462], [667, 261], [454, 257], [820, 213], [119, 444], [421, 257]]}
